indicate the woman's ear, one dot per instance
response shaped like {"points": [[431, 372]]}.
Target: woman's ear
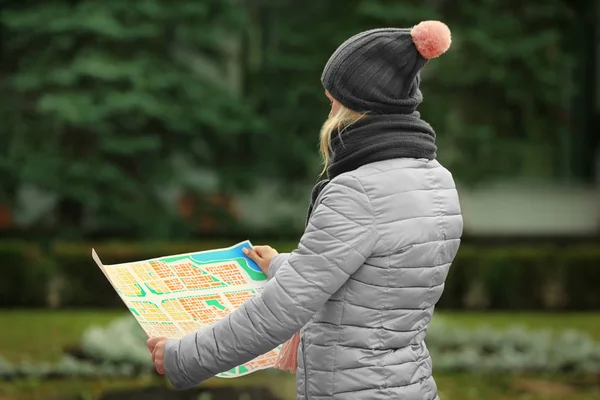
{"points": [[335, 107]]}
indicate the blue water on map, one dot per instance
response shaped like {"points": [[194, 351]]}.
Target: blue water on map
{"points": [[227, 254]]}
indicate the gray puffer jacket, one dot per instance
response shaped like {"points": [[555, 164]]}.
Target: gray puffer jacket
{"points": [[361, 286]]}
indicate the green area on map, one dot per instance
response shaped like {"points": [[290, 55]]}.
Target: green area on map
{"points": [[216, 303], [142, 292], [254, 275], [242, 369]]}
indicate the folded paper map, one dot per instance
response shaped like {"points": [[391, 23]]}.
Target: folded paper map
{"points": [[176, 295]]}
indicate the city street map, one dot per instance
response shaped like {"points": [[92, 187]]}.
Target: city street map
{"points": [[176, 295]]}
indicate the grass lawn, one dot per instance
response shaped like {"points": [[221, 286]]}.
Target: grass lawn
{"points": [[557, 322], [451, 387], [42, 335]]}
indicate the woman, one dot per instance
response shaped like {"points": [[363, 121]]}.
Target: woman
{"points": [[381, 235]]}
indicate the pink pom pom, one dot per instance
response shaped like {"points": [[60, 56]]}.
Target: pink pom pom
{"points": [[431, 38]]}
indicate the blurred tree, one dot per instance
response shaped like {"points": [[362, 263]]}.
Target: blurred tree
{"points": [[104, 95], [586, 137], [288, 54], [501, 99], [108, 104]]}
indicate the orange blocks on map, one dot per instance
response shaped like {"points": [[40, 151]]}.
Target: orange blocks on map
{"points": [[227, 273], [176, 295], [265, 361], [157, 276], [192, 312], [238, 298], [161, 277], [125, 282]]}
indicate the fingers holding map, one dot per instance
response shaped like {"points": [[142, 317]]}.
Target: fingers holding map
{"points": [[176, 295]]}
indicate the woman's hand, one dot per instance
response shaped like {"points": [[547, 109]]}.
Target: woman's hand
{"points": [[156, 346], [261, 255]]}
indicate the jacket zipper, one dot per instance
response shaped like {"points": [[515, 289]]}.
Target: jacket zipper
{"points": [[305, 370]]}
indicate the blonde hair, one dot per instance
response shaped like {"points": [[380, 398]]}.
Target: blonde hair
{"points": [[337, 122]]}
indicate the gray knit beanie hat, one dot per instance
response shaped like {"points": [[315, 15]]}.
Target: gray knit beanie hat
{"points": [[377, 71]]}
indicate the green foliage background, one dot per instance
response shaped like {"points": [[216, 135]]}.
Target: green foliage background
{"points": [[509, 277], [103, 102]]}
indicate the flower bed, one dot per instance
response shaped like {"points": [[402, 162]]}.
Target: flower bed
{"points": [[118, 350]]}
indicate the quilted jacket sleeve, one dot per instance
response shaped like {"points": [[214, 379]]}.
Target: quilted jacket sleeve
{"points": [[339, 238], [275, 263]]}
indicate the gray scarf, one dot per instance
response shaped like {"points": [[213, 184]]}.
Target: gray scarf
{"points": [[377, 138]]}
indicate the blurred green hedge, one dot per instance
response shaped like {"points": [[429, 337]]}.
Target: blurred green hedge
{"points": [[524, 277], [530, 277], [24, 274]]}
